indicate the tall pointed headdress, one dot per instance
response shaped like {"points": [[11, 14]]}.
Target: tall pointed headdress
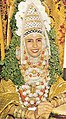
{"points": [[31, 17]]}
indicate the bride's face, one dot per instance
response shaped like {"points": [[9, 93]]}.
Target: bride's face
{"points": [[33, 43]]}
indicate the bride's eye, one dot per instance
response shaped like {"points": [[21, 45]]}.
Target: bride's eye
{"points": [[39, 39], [29, 40]]}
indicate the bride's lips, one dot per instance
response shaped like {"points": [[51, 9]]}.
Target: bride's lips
{"points": [[35, 50]]}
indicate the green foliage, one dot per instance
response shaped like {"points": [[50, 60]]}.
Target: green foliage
{"points": [[10, 68], [52, 34], [55, 68], [13, 21]]}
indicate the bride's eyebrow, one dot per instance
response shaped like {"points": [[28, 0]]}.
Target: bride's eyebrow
{"points": [[39, 38], [29, 39]]}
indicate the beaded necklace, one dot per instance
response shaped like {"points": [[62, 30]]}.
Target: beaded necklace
{"points": [[36, 76]]}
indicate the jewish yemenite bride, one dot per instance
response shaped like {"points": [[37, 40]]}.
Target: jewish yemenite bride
{"points": [[31, 100]]}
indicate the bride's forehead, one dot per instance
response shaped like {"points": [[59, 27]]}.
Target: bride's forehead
{"points": [[34, 35]]}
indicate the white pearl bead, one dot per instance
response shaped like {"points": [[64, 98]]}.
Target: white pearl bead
{"points": [[26, 98], [48, 78], [44, 63], [28, 91], [31, 102], [41, 93], [35, 95], [26, 103], [24, 93], [38, 102], [43, 98], [46, 91], [37, 91], [32, 108], [30, 95], [43, 86], [37, 83], [47, 87], [27, 87], [46, 84], [24, 62], [45, 95], [23, 86], [37, 99]]}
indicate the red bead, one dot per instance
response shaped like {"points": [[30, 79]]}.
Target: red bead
{"points": [[38, 74], [26, 58], [42, 52], [34, 66], [29, 63], [39, 64], [24, 52], [30, 75]]}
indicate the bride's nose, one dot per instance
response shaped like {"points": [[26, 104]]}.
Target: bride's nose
{"points": [[35, 43]]}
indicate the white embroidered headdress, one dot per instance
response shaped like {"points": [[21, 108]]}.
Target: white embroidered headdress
{"points": [[31, 17]]}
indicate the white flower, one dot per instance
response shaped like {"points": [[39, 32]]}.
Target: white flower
{"points": [[19, 32], [47, 26], [29, 1], [36, 2], [41, 9], [21, 15], [19, 23], [22, 7], [17, 15], [48, 20]]}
